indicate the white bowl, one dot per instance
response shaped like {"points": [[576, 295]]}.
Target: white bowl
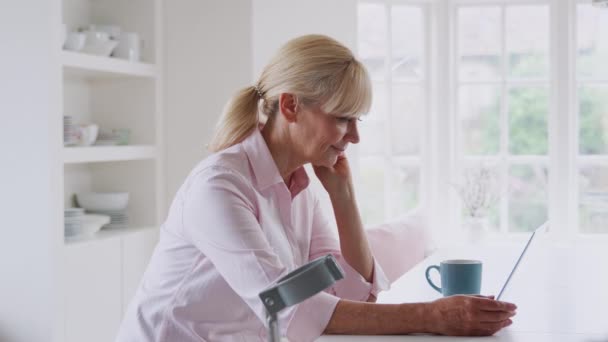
{"points": [[113, 31], [91, 224], [102, 48], [95, 201]]}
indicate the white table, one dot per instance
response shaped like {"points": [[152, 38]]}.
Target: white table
{"points": [[560, 289]]}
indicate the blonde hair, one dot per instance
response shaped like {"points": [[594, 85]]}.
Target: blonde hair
{"points": [[317, 69]]}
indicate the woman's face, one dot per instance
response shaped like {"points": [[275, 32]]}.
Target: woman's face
{"points": [[322, 137]]}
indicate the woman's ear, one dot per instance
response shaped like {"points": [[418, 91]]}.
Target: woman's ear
{"points": [[288, 106]]}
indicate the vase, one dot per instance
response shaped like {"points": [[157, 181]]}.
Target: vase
{"points": [[475, 229]]}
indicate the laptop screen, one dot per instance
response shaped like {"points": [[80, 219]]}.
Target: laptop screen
{"points": [[534, 233]]}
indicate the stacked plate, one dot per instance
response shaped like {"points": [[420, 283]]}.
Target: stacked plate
{"points": [[119, 219], [111, 204], [73, 218], [78, 224], [69, 131]]}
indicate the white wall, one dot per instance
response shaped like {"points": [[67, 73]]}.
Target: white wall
{"points": [[276, 21], [29, 201], [208, 57]]}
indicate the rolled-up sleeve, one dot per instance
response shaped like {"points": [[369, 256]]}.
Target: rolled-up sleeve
{"points": [[219, 216], [354, 286]]}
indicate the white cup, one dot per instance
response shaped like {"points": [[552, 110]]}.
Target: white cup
{"points": [[129, 47], [87, 134], [75, 41]]}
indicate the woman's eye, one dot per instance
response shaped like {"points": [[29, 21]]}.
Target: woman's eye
{"points": [[346, 119]]}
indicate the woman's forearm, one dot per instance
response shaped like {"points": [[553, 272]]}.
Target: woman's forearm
{"points": [[360, 318], [353, 241]]}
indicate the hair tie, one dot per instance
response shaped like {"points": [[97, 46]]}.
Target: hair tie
{"points": [[258, 91]]}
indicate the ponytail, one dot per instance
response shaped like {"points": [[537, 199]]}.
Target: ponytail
{"points": [[238, 120]]}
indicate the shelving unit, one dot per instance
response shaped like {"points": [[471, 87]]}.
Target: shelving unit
{"points": [[103, 270]]}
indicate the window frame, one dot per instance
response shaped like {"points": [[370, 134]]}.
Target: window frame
{"points": [[422, 159], [578, 158], [440, 159], [504, 159]]}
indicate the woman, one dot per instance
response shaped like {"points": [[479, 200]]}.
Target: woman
{"points": [[245, 216]]}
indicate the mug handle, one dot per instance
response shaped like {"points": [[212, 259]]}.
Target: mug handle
{"points": [[428, 278]]}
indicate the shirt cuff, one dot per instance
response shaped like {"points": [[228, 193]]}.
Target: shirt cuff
{"points": [[311, 317], [380, 281], [355, 287]]}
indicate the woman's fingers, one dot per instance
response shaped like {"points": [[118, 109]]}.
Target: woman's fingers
{"points": [[472, 315], [495, 311], [482, 296], [495, 316], [494, 305]]}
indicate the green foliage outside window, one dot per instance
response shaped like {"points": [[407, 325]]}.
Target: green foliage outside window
{"points": [[528, 109], [593, 120]]}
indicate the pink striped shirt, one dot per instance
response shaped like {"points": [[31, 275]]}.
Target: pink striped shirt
{"points": [[233, 228]]}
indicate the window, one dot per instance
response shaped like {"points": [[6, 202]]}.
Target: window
{"points": [[526, 95], [392, 43], [592, 105], [503, 87]]}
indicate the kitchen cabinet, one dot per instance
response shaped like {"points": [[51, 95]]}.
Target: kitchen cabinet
{"points": [[93, 290], [137, 249], [102, 271]]}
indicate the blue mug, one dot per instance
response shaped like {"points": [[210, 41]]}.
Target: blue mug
{"points": [[457, 277]]}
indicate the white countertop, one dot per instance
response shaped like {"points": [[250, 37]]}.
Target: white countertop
{"points": [[561, 290]]}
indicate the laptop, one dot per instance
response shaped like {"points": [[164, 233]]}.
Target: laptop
{"points": [[538, 230]]}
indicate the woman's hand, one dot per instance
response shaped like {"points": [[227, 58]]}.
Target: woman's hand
{"points": [[353, 241], [469, 316], [336, 180]]}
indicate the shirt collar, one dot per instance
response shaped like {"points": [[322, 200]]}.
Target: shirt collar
{"points": [[265, 169]]}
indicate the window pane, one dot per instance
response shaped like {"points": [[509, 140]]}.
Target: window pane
{"points": [[407, 115], [479, 112], [593, 194], [527, 197], [404, 188], [592, 41], [479, 43], [372, 38], [593, 120], [528, 112], [370, 189], [372, 126], [527, 38], [407, 43]]}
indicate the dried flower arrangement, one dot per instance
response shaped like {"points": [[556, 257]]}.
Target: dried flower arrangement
{"points": [[478, 190]]}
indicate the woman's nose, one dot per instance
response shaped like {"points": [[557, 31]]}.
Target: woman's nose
{"points": [[352, 135]]}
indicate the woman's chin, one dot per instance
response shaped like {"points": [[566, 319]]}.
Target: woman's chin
{"points": [[328, 161], [331, 161]]}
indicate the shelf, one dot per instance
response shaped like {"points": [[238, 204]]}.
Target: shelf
{"points": [[105, 234], [97, 67], [72, 155]]}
